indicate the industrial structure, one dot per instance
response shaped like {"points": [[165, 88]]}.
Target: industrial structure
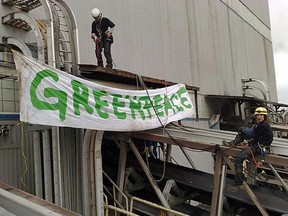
{"points": [[221, 50]]}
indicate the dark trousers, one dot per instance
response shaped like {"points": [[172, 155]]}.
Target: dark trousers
{"points": [[243, 155], [106, 45]]}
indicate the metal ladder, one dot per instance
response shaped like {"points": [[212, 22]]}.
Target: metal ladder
{"points": [[65, 37], [64, 27]]}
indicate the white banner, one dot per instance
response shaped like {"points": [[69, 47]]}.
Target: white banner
{"points": [[49, 96]]}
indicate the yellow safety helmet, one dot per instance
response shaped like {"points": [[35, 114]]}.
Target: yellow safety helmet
{"points": [[261, 111]]}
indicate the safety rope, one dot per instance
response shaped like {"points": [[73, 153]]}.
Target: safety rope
{"points": [[257, 164]]}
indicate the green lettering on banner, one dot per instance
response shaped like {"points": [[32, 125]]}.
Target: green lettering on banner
{"points": [[117, 104], [135, 105], [180, 93], [61, 105], [173, 98], [157, 99], [100, 103], [168, 105], [147, 105], [80, 98]]}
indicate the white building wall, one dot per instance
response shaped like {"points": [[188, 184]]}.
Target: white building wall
{"points": [[206, 43], [260, 9]]}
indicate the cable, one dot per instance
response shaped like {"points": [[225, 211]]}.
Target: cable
{"points": [[164, 128], [23, 156]]}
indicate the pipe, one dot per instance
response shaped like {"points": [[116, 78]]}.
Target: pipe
{"points": [[85, 177], [98, 174], [264, 84], [188, 157], [222, 185], [155, 206], [245, 87]]}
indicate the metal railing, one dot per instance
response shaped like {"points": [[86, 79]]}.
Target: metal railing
{"points": [[165, 210], [126, 211], [115, 209]]}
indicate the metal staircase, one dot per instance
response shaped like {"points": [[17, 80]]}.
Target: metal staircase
{"points": [[62, 43], [25, 5]]}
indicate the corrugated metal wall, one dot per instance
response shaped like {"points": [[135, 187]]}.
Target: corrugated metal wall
{"points": [[206, 43], [260, 9]]}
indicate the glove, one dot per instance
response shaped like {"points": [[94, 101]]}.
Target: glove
{"points": [[108, 34], [93, 36]]}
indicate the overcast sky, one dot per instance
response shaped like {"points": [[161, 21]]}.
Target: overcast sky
{"points": [[279, 26]]}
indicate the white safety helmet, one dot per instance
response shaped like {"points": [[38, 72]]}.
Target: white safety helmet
{"points": [[95, 12]]}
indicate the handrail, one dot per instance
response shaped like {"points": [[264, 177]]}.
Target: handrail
{"points": [[107, 207], [115, 186], [155, 206]]}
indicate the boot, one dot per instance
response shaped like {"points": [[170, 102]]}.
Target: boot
{"points": [[239, 178], [108, 59], [100, 63], [238, 139], [109, 65], [229, 143]]}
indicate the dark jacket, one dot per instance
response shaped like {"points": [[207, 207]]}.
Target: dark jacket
{"points": [[263, 134], [99, 27]]}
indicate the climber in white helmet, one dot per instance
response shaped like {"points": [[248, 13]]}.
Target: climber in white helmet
{"points": [[101, 33]]}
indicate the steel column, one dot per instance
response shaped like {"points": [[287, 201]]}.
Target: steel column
{"points": [[85, 176], [47, 166], [57, 167], [148, 174], [121, 168], [247, 189], [98, 174], [187, 157], [223, 178], [279, 178], [37, 164], [168, 152], [215, 196]]}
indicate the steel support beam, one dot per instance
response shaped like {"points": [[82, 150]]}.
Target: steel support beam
{"points": [[168, 152], [187, 157], [247, 189], [57, 177], [37, 164], [215, 195], [121, 168], [184, 138], [98, 174], [47, 166], [85, 168], [279, 178], [222, 186], [148, 174]]}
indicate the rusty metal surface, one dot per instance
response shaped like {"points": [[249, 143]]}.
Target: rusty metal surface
{"points": [[245, 99], [275, 201], [186, 140], [37, 200], [101, 73]]}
